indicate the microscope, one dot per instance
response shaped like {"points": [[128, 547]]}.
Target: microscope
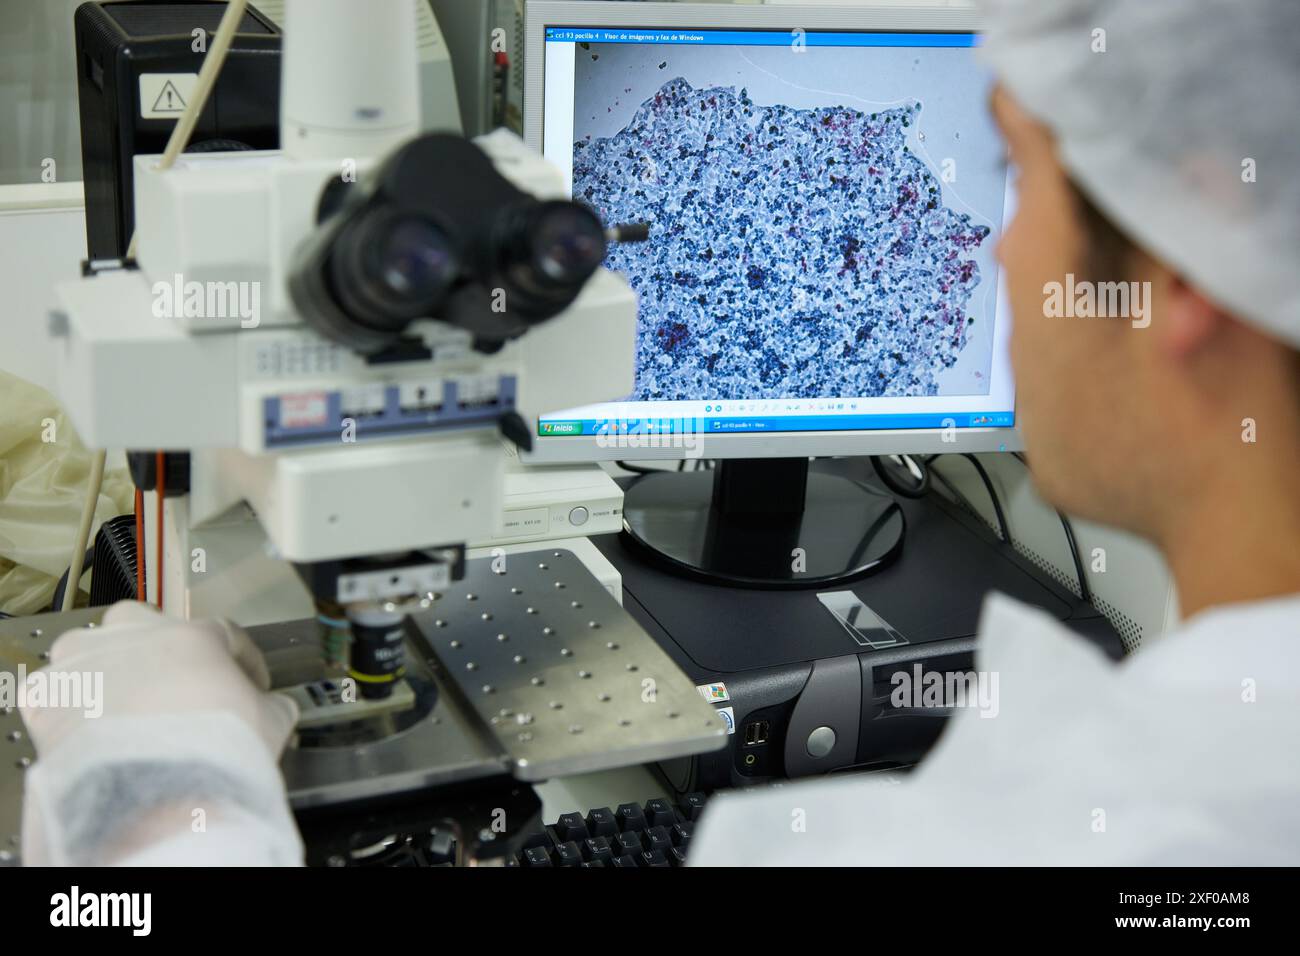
{"points": [[337, 338]]}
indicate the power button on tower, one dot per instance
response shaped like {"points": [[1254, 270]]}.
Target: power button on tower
{"points": [[821, 742], [578, 516]]}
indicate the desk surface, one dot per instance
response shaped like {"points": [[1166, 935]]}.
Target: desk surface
{"points": [[934, 591]]}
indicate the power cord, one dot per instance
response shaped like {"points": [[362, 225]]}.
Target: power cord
{"points": [[639, 469], [1085, 592], [993, 496], [1003, 528], [696, 464]]}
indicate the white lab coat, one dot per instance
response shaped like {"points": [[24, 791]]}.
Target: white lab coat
{"points": [[1186, 753]]}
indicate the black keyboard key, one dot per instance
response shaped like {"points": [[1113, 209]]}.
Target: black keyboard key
{"points": [[693, 805], [630, 817], [568, 854], [597, 848], [656, 838], [656, 835], [571, 826], [536, 856], [659, 813], [539, 839], [627, 844], [602, 822], [681, 833]]}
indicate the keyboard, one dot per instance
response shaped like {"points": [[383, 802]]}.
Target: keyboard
{"points": [[655, 834]]}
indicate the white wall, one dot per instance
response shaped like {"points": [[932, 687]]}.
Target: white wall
{"points": [[42, 241], [38, 90]]}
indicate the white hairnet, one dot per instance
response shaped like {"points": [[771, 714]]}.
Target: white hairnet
{"points": [[1178, 119]]}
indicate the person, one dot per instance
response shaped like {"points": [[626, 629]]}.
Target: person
{"points": [[1154, 146], [179, 765]]}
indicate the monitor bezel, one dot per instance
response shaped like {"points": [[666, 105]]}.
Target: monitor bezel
{"points": [[541, 14]]}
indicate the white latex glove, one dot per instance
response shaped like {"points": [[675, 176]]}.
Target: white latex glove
{"points": [[175, 747]]}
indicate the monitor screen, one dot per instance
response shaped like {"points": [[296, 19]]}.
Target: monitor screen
{"points": [[823, 210]]}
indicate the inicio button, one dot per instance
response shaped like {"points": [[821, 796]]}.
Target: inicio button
{"points": [[578, 516]]}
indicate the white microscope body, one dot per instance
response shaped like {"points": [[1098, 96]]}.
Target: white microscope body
{"points": [[337, 455]]}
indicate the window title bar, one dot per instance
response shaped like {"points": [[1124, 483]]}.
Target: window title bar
{"points": [[809, 38]]}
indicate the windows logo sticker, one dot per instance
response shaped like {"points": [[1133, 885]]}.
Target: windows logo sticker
{"points": [[713, 692]]}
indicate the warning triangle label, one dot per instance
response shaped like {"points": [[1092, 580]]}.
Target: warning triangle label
{"points": [[169, 100]]}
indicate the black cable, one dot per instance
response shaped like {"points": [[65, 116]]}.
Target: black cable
{"points": [[988, 486], [1085, 592], [918, 489], [637, 469], [993, 496], [697, 464], [62, 586]]}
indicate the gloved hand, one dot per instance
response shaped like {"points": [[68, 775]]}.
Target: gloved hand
{"points": [[180, 737], [157, 665]]}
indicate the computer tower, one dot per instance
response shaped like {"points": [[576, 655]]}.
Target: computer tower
{"points": [[801, 694]]}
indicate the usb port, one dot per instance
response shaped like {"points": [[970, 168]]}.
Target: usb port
{"points": [[756, 732]]}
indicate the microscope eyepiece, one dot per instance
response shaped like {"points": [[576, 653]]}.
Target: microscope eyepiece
{"points": [[389, 268], [438, 233], [563, 245]]}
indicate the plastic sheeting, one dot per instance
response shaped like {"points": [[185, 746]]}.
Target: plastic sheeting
{"points": [[44, 468]]}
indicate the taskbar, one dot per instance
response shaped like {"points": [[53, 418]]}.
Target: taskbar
{"points": [[560, 427]]}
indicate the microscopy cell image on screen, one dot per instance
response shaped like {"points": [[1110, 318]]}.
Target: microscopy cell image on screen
{"points": [[796, 250]]}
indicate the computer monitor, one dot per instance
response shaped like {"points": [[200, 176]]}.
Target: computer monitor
{"points": [[823, 189]]}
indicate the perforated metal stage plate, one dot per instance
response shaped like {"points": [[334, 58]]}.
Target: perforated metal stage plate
{"points": [[450, 745], [26, 642], [563, 676], [575, 685]]}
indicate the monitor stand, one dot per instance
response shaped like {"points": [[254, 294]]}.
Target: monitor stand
{"points": [[766, 523]]}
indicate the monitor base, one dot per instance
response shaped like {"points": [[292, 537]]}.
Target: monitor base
{"points": [[764, 523]]}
